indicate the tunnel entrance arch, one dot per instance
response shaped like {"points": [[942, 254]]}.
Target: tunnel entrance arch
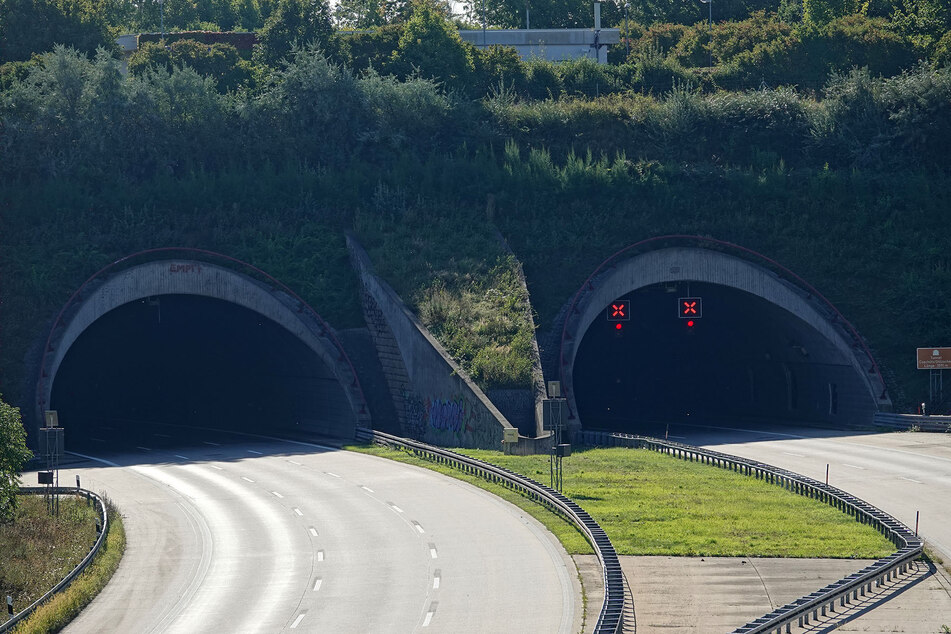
{"points": [[177, 274], [799, 359]]}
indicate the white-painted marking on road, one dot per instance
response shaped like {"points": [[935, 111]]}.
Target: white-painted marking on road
{"points": [[313, 531], [432, 551], [320, 555], [247, 479], [105, 462], [214, 466], [300, 617], [436, 582], [395, 508], [299, 512], [213, 444], [331, 474], [852, 466], [276, 494], [418, 527], [143, 448], [293, 462], [367, 489], [428, 619], [317, 582], [257, 453], [182, 457], [797, 455], [911, 480]]}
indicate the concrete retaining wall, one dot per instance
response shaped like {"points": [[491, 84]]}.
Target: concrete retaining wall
{"points": [[435, 399]]}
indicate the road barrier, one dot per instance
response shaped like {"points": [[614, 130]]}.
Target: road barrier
{"points": [[916, 422], [612, 616], [810, 606], [103, 528]]}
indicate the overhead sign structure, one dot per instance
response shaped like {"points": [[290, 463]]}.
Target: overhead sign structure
{"points": [[934, 358], [619, 310], [690, 307]]}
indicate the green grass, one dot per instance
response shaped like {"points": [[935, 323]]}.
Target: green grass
{"points": [[62, 608], [651, 504]]}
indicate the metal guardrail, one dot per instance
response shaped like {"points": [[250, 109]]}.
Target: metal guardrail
{"points": [[611, 617], [801, 610], [913, 421], [103, 530]]}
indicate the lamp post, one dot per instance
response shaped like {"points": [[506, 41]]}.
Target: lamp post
{"points": [[709, 4], [627, 32]]}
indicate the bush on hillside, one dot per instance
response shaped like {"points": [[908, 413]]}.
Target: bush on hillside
{"points": [[221, 62]]}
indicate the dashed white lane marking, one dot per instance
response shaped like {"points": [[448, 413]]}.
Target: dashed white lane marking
{"points": [[910, 480], [797, 455], [258, 453], [331, 474], [429, 615], [276, 494], [436, 575], [852, 466], [313, 531], [317, 583], [395, 508], [213, 444], [182, 457], [432, 551], [293, 462], [418, 526], [367, 489], [247, 479], [300, 617], [214, 466], [320, 555], [299, 512], [143, 448]]}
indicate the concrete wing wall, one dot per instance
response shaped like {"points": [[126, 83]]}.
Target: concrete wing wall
{"points": [[435, 399]]}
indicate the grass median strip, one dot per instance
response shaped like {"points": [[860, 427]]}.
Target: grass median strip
{"points": [[651, 504], [39, 551]]}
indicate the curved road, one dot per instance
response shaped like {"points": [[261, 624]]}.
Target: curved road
{"points": [[268, 536]]}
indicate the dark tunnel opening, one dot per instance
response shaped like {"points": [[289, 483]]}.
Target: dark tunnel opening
{"points": [[743, 358], [190, 361]]}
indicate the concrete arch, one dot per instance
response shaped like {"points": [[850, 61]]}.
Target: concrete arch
{"points": [[110, 289], [620, 275]]}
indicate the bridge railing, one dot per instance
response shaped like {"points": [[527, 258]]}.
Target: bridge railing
{"points": [[611, 616], [845, 590], [103, 527]]}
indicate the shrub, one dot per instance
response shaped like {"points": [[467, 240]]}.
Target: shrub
{"points": [[431, 46], [13, 454]]}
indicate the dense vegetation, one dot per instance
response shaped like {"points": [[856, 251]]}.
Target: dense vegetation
{"points": [[835, 164]]}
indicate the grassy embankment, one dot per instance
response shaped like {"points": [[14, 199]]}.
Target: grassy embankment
{"points": [[40, 550], [650, 504]]}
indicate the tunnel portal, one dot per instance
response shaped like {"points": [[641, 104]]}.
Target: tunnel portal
{"points": [[194, 344], [757, 349]]}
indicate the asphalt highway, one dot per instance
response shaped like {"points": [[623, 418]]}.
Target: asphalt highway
{"points": [[270, 536]]}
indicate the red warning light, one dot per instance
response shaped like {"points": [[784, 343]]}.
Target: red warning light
{"points": [[618, 326], [619, 310], [690, 323]]}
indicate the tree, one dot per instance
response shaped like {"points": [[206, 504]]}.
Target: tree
{"points": [[824, 11], [431, 45], [13, 455], [35, 26], [366, 14], [294, 22]]}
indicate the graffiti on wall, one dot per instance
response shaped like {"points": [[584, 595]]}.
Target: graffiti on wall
{"points": [[454, 415]]}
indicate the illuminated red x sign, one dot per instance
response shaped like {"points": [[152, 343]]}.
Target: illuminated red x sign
{"points": [[690, 307], [619, 310]]}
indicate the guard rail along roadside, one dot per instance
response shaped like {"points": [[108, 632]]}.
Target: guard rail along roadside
{"points": [[810, 606], [917, 422], [103, 528], [611, 617]]}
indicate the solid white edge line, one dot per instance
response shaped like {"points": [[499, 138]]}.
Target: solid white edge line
{"points": [[330, 473], [367, 489], [247, 479], [105, 462]]}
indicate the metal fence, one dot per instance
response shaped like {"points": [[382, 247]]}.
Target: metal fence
{"points": [[611, 617], [810, 606], [103, 529]]}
